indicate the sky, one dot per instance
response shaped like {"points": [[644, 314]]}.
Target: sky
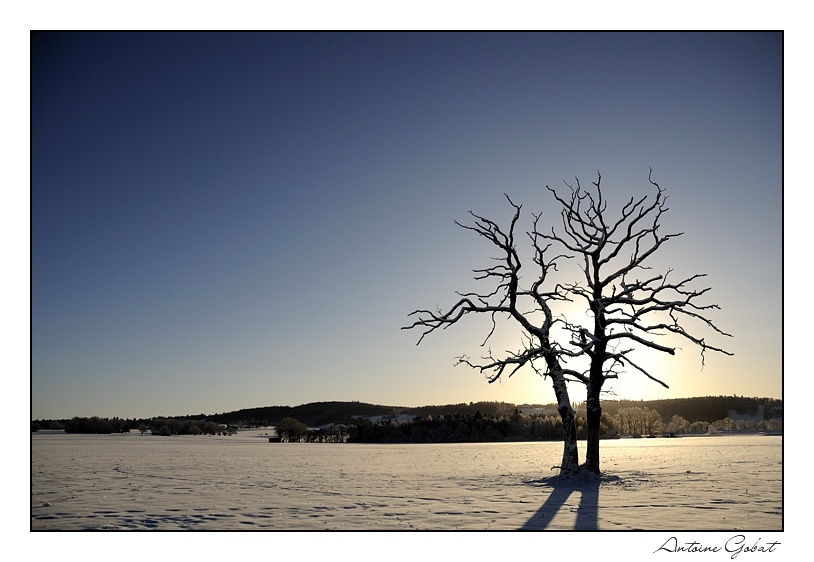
{"points": [[226, 221]]}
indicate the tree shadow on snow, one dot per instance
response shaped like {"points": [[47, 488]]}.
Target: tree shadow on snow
{"points": [[561, 488]]}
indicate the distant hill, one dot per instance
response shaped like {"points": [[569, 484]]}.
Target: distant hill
{"points": [[316, 414], [707, 408], [313, 414]]}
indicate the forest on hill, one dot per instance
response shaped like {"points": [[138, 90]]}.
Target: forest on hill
{"points": [[702, 409], [315, 414], [508, 421]]}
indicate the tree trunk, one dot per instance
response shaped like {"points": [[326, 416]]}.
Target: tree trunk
{"points": [[595, 380], [570, 454], [594, 411]]}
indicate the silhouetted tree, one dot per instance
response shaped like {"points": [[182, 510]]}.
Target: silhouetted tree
{"points": [[630, 305], [527, 306]]}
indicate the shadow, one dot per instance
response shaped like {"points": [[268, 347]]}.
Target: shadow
{"points": [[560, 491]]}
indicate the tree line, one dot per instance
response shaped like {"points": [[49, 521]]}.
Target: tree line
{"points": [[517, 426], [698, 411], [157, 426], [461, 428], [323, 413], [440, 428], [703, 408]]}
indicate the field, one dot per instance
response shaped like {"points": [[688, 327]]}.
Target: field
{"points": [[242, 482]]}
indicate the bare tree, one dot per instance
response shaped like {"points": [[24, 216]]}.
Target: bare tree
{"points": [[534, 316], [631, 306]]}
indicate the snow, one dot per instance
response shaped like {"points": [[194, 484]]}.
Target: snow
{"points": [[242, 482], [730, 484]]}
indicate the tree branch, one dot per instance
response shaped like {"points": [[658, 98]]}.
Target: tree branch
{"points": [[626, 310], [504, 299]]}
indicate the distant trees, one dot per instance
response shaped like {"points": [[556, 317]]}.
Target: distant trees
{"points": [[639, 421], [729, 425], [37, 425], [703, 408], [290, 429], [505, 422], [323, 413], [461, 428], [517, 426], [678, 425], [156, 426], [96, 424], [174, 426]]}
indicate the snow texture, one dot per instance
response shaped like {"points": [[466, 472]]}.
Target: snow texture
{"points": [[244, 482]]}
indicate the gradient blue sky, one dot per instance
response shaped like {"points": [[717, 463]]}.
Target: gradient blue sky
{"points": [[226, 221]]}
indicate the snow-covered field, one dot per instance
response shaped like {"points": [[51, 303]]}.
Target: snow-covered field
{"points": [[243, 482]]}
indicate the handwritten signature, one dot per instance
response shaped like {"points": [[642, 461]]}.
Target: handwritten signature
{"points": [[735, 546]]}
